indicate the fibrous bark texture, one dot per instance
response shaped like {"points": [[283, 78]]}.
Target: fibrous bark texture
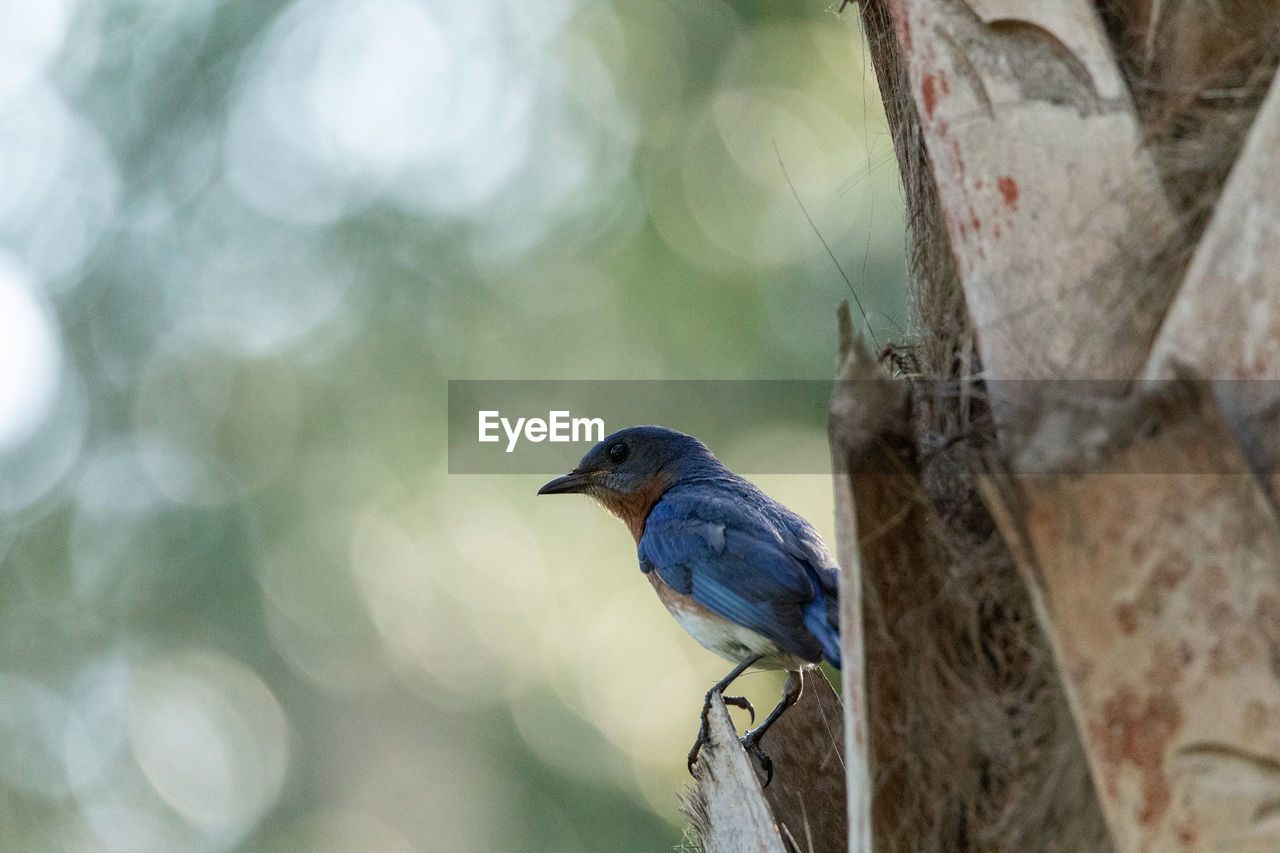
{"points": [[1061, 489]]}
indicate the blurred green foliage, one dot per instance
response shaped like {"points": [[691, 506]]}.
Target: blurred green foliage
{"points": [[242, 248]]}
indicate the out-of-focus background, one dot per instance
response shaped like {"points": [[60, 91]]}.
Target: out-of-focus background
{"points": [[243, 246]]}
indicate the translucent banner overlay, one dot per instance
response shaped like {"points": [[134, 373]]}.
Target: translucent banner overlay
{"points": [[780, 426]]}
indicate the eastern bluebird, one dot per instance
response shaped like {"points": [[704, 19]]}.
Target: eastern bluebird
{"points": [[745, 576]]}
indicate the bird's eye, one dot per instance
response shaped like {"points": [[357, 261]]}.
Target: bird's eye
{"points": [[618, 453]]}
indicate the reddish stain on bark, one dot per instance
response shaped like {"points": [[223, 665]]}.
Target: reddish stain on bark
{"points": [[1167, 662], [1136, 731], [1009, 189], [1221, 616], [928, 95], [1127, 618], [1171, 572]]}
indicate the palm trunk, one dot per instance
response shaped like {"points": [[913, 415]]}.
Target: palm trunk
{"points": [[1092, 193]]}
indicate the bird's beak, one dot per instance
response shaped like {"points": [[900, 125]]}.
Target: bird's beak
{"points": [[574, 481]]}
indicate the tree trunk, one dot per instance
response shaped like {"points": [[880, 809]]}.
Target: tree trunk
{"points": [[1067, 572]]}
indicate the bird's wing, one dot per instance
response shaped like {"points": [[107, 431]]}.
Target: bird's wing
{"points": [[735, 561], [808, 547]]}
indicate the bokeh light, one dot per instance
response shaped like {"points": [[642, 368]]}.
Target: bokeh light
{"points": [[242, 248], [210, 738], [30, 357]]}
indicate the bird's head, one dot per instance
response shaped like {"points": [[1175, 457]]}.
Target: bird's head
{"points": [[630, 469]]}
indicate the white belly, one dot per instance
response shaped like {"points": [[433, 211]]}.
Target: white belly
{"points": [[730, 641]]}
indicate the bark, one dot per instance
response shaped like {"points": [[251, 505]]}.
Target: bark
{"points": [[1052, 205], [868, 417], [1137, 512], [1162, 596], [727, 811], [802, 809], [1226, 321]]}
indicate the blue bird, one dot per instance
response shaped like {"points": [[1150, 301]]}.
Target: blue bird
{"points": [[745, 576]]}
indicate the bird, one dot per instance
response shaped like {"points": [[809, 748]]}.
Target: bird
{"points": [[748, 578]]}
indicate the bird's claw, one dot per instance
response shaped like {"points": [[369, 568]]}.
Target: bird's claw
{"points": [[737, 702], [741, 702], [697, 747], [751, 744]]}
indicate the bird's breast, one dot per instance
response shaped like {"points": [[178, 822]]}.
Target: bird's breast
{"points": [[712, 631]]}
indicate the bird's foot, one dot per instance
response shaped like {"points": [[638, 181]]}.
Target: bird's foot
{"points": [[741, 702], [751, 743], [697, 747], [705, 725]]}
